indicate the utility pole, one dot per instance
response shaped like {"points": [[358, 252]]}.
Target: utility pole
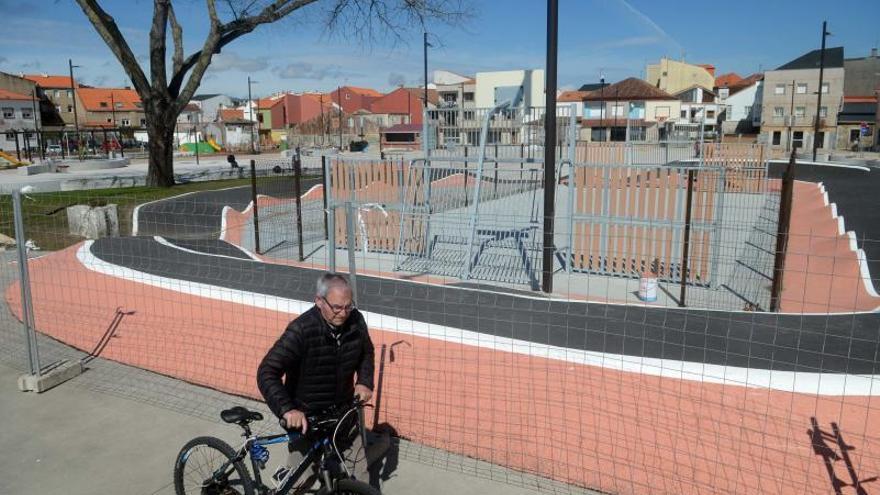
{"points": [[825, 33], [251, 114], [550, 144], [790, 146], [339, 97], [73, 97], [37, 123], [602, 106], [425, 46], [323, 125]]}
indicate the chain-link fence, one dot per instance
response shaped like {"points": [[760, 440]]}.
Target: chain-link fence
{"points": [[613, 381]]}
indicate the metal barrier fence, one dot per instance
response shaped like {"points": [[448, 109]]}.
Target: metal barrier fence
{"points": [[588, 387]]}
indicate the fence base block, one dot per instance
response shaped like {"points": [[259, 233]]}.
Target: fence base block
{"points": [[60, 373]]}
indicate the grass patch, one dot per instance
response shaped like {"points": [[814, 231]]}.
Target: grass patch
{"points": [[45, 215]]}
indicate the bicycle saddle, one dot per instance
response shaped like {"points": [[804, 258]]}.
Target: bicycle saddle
{"points": [[239, 414]]}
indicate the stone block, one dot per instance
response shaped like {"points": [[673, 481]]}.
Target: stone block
{"points": [[93, 222]]}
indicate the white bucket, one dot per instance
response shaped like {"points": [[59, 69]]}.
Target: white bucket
{"points": [[648, 287]]}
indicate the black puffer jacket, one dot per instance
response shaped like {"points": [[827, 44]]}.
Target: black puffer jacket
{"points": [[318, 372]]}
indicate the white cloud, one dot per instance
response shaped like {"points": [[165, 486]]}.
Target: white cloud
{"points": [[228, 61], [307, 70]]}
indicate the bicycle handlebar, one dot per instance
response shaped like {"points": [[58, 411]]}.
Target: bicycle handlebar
{"points": [[331, 411]]}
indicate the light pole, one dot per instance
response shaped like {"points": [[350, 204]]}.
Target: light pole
{"points": [[73, 97], [601, 106], [251, 114], [37, 124], [339, 98], [791, 120], [425, 46], [825, 33], [550, 144]]}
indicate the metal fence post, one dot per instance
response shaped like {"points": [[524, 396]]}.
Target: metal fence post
{"points": [[330, 212], [256, 213], [27, 310], [297, 186], [350, 211], [685, 251], [326, 188], [785, 201]]}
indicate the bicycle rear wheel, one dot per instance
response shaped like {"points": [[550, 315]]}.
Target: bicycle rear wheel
{"points": [[205, 466]]}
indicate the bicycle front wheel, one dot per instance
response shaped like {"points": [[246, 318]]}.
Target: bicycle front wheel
{"points": [[353, 487], [207, 466]]}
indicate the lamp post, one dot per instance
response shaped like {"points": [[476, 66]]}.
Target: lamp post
{"points": [[825, 33], [73, 97], [251, 114], [601, 106], [339, 98], [425, 46], [550, 145], [37, 123]]}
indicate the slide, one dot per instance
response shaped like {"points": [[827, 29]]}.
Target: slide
{"points": [[214, 145], [11, 159]]}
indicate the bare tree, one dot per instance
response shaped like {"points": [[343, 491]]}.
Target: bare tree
{"points": [[164, 94]]}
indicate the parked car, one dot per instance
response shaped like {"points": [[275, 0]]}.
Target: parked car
{"points": [[53, 148]]}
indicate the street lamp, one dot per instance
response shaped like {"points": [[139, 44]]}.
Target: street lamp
{"points": [[825, 33], [425, 46], [251, 113], [73, 97]]}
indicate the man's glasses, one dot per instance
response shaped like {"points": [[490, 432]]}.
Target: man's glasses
{"points": [[337, 308]]}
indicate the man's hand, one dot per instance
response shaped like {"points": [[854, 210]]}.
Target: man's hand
{"points": [[363, 392], [296, 420]]}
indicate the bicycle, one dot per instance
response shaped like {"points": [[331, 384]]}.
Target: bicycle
{"points": [[231, 476]]}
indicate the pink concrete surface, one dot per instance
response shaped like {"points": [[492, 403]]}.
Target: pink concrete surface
{"points": [[619, 432], [822, 272]]}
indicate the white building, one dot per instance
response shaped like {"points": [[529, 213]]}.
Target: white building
{"points": [[742, 104], [210, 105], [699, 106], [522, 87], [17, 115]]}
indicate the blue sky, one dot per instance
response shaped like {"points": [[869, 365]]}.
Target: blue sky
{"points": [[616, 37]]}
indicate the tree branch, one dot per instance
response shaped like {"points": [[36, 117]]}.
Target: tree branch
{"points": [[158, 37], [109, 32], [177, 35]]}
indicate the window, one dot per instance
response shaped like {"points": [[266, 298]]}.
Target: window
{"points": [[618, 134], [597, 134], [724, 92], [748, 110], [684, 113], [823, 112], [800, 111], [638, 133], [801, 88], [710, 114], [820, 139], [826, 87], [780, 89], [125, 122], [777, 138], [10, 136], [69, 93], [854, 135], [69, 109], [8, 113], [468, 97], [617, 110], [103, 104], [143, 122], [109, 120], [797, 139], [57, 93], [778, 112], [26, 113]]}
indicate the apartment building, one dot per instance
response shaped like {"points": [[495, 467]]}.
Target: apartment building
{"points": [[673, 76], [789, 104], [631, 108], [17, 115], [109, 108]]}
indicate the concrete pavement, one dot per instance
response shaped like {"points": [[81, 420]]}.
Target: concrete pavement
{"points": [[74, 440]]}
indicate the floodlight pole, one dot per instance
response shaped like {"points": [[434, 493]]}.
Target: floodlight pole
{"points": [[550, 144]]}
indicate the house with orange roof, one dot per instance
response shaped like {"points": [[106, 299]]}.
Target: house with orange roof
{"points": [[109, 108], [401, 106], [303, 113], [353, 98], [17, 114], [59, 91]]}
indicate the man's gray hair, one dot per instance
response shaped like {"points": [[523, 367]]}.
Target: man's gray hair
{"points": [[328, 281]]}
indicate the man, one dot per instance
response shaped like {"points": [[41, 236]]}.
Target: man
{"points": [[319, 355]]}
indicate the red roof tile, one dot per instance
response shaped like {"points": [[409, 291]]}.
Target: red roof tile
{"points": [[103, 99], [572, 96], [728, 79], [364, 91], [228, 114], [629, 89], [9, 95], [47, 81]]}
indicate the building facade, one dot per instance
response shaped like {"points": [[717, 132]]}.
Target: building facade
{"points": [[18, 121], [58, 92], [790, 105], [630, 110], [210, 104], [523, 88], [673, 76], [742, 105], [109, 108]]}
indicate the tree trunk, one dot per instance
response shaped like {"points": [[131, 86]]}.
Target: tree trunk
{"points": [[160, 172]]}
